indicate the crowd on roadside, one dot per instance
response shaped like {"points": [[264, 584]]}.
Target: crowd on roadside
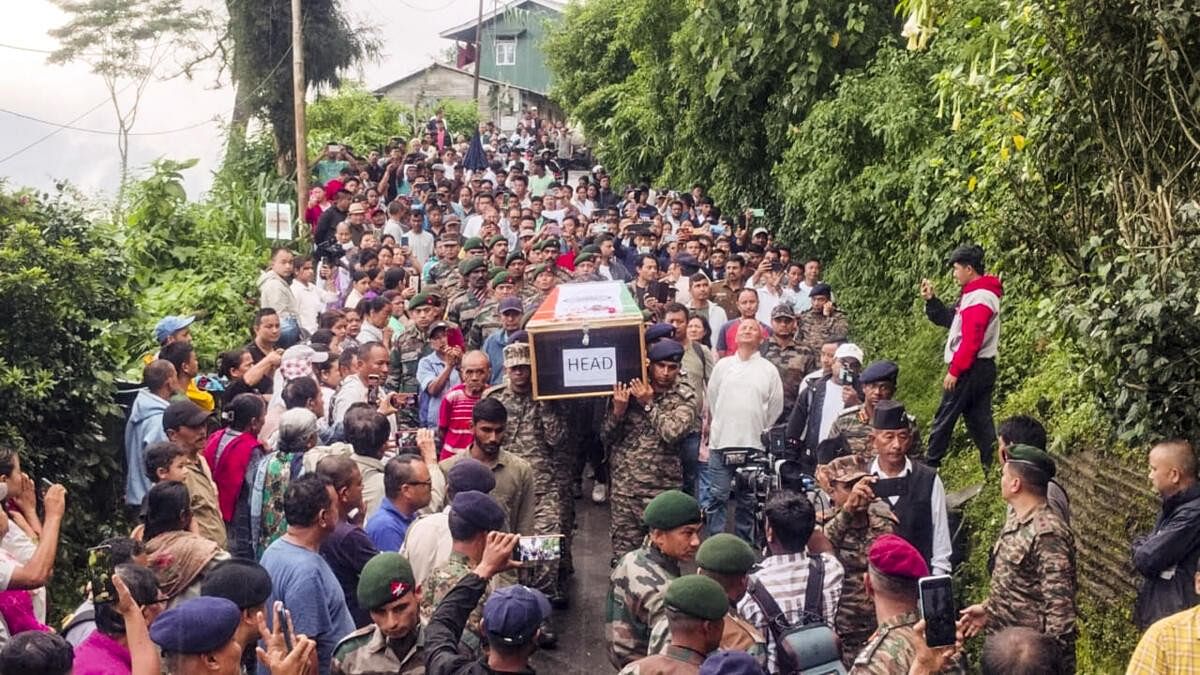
{"points": [[346, 495]]}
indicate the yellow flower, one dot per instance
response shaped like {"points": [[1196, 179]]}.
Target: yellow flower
{"points": [[971, 183], [1019, 142]]}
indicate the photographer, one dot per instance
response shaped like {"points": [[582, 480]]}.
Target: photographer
{"points": [[825, 394]]}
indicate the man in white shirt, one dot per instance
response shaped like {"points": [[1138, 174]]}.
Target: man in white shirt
{"points": [[920, 503], [745, 396], [701, 290], [419, 242], [822, 396], [394, 225], [812, 277]]}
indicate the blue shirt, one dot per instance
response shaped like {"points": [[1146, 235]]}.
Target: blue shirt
{"points": [[387, 526], [303, 582], [494, 346], [428, 369]]}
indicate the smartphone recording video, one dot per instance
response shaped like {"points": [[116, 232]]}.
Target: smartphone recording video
{"points": [[937, 609], [100, 569], [538, 548]]}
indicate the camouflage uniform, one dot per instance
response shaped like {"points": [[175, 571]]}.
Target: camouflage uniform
{"points": [[635, 602], [851, 536], [487, 321], [814, 328], [644, 449], [438, 584], [793, 362], [462, 310], [407, 349], [1033, 578], [366, 652], [726, 297], [891, 649], [537, 433], [854, 427], [672, 661], [446, 275], [533, 300], [738, 634]]}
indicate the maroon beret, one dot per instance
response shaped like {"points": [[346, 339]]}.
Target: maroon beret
{"points": [[895, 557]]}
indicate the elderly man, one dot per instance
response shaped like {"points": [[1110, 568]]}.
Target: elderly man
{"points": [[745, 397]]}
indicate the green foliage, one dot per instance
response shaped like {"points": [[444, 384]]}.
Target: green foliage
{"points": [[261, 31], [63, 287], [357, 118]]}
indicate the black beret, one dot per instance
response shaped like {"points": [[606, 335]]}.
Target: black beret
{"points": [[479, 510], [196, 626], [880, 371], [244, 582], [659, 331], [821, 289], [665, 349], [471, 475], [889, 415]]}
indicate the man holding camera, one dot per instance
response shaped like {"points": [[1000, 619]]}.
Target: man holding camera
{"points": [[745, 397], [825, 394], [913, 490]]}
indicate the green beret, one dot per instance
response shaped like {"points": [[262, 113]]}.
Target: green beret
{"points": [[501, 277], [549, 243], [515, 255], [473, 242], [697, 596], [1027, 454], [384, 578], [470, 264], [725, 554], [584, 257], [590, 248], [423, 298], [539, 268], [495, 240], [670, 510]]}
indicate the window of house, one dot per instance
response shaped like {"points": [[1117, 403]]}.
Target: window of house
{"points": [[506, 51]]}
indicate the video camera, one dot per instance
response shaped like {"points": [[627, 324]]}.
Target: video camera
{"points": [[329, 251], [777, 467]]}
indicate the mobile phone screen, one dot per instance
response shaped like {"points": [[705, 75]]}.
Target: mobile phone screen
{"points": [[890, 487], [100, 570], [538, 548], [937, 608]]}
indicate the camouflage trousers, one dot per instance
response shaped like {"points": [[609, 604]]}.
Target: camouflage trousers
{"points": [[854, 633], [553, 514], [627, 530]]}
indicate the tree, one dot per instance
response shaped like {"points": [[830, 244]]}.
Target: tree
{"points": [[129, 44], [260, 66]]}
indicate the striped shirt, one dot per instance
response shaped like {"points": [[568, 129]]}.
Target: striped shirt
{"points": [[786, 578], [1171, 645], [455, 419]]}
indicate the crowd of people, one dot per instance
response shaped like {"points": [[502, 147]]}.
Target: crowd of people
{"points": [[347, 494]]}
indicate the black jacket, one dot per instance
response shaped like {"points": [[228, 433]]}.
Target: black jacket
{"points": [[1167, 558], [445, 629]]}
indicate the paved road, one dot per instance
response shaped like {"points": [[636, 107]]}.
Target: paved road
{"points": [[581, 647]]}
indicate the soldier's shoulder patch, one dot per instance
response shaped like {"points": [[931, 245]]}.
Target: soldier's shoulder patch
{"points": [[353, 641], [852, 411]]}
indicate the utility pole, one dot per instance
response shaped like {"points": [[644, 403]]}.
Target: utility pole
{"points": [[299, 87], [478, 49]]}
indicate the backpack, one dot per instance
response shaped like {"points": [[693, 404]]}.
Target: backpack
{"points": [[810, 643]]}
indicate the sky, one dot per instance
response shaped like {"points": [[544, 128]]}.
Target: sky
{"points": [[31, 86]]}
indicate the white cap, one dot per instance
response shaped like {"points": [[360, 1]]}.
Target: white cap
{"points": [[759, 230], [304, 353], [599, 168], [849, 350]]}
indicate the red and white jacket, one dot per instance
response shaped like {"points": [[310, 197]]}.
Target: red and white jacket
{"points": [[975, 330]]}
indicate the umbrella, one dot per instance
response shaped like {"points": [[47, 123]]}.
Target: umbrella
{"points": [[474, 160]]}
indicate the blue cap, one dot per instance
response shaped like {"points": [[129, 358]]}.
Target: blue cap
{"points": [[821, 289], [479, 510], [197, 626], [659, 331], [730, 662], [169, 324], [665, 350], [469, 475], [511, 303], [880, 371], [518, 336], [512, 614]]}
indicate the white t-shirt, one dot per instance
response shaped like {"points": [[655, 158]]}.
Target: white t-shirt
{"points": [[832, 407], [420, 245]]}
